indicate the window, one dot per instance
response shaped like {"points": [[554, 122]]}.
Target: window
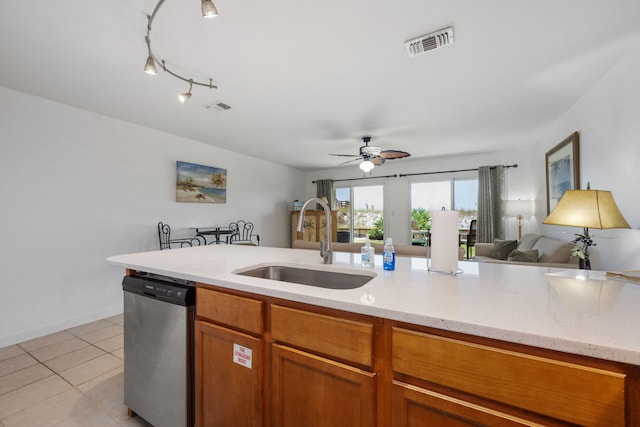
{"points": [[454, 194], [465, 200], [360, 213]]}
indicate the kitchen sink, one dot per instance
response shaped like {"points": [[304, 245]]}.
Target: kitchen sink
{"points": [[328, 279]]}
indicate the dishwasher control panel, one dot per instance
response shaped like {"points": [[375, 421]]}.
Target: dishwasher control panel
{"points": [[167, 289]]}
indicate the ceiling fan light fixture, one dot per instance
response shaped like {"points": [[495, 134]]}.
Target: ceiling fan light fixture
{"points": [[372, 156], [366, 166], [209, 9]]}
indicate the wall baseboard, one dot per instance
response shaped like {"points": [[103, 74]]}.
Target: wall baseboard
{"points": [[57, 327]]}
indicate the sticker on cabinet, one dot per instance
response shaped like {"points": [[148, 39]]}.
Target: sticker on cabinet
{"points": [[242, 355]]}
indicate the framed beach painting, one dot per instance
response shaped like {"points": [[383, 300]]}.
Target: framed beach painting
{"points": [[200, 184], [563, 169]]}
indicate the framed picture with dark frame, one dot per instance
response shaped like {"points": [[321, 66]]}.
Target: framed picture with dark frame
{"points": [[563, 169]]}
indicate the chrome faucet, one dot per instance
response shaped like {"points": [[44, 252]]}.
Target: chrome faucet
{"points": [[326, 250]]}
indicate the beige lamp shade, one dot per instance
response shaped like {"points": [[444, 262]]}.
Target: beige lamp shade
{"points": [[587, 209]]}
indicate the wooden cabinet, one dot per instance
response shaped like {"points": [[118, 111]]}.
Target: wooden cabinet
{"points": [[341, 339], [319, 382], [309, 390], [228, 362], [228, 377], [314, 228], [564, 391], [312, 366], [418, 407]]}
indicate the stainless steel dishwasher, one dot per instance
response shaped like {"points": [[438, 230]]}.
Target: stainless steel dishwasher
{"points": [[158, 349]]}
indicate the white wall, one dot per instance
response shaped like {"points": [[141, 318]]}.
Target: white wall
{"points": [[607, 118], [77, 187]]}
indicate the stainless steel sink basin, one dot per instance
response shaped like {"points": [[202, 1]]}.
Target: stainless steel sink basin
{"points": [[307, 276]]}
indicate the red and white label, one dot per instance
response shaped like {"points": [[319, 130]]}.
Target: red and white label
{"points": [[242, 355]]}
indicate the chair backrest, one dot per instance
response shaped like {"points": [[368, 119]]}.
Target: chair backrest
{"points": [[242, 232], [473, 226], [164, 235]]}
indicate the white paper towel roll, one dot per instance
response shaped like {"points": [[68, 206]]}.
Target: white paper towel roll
{"points": [[444, 241]]}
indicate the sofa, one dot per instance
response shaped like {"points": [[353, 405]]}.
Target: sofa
{"points": [[532, 249]]}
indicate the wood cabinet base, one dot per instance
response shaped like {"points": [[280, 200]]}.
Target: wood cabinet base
{"points": [[314, 366]]}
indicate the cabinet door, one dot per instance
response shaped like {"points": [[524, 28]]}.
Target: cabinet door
{"points": [[228, 377], [309, 231], [311, 391], [417, 407]]}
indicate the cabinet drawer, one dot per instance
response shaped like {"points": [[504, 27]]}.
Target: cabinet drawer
{"points": [[230, 310], [340, 338], [565, 391]]}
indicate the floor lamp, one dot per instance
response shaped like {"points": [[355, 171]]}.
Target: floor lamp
{"points": [[519, 209]]}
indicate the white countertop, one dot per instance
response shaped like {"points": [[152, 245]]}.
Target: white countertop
{"points": [[542, 307]]}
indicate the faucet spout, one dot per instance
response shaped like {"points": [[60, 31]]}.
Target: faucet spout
{"points": [[326, 249]]}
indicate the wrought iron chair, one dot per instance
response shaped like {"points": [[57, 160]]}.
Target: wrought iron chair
{"points": [[242, 234], [470, 238], [164, 236]]}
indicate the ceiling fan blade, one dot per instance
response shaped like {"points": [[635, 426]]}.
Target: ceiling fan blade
{"points": [[350, 161], [345, 155], [394, 154]]}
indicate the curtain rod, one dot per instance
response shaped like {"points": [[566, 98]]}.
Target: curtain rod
{"points": [[419, 173], [358, 179], [457, 170]]}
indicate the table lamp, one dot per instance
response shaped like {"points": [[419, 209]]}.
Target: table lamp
{"points": [[587, 209]]}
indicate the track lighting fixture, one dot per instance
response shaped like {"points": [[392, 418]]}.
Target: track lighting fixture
{"points": [[184, 97], [366, 166], [150, 66], [208, 10]]}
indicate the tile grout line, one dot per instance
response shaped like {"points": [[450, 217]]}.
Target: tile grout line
{"points": [[93, 403]]}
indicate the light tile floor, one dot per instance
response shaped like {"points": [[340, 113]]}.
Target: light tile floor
{"points": [[69, 378]]}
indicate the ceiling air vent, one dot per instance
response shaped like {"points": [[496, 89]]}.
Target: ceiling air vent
{"points": [[217, 106], [431, 41]]}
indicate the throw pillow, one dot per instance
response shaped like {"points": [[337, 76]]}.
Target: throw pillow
{"points": [[523, 256], [502, 248]]}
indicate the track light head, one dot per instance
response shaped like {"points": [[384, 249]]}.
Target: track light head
{"points": [[150, 66], [209, 9], [184, 97]]}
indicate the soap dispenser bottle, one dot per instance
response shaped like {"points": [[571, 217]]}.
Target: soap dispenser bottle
{"points": [[389, 256], [367, 253]]}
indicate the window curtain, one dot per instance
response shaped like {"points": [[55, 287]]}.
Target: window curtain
{"points": [[325, 189], [490, 203]]}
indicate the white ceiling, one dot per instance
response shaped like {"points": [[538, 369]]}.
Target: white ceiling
{"points": [[307, 78]]}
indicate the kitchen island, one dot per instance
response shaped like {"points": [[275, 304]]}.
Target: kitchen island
{"points": [[522, 345]]}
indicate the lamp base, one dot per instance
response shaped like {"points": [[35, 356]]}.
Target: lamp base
{"points": [[584, 264]]}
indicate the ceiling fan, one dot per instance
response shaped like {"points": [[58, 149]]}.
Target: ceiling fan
{"points": [[372, 155]]}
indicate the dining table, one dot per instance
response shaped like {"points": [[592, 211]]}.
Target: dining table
{"points": [[216, 232]]}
